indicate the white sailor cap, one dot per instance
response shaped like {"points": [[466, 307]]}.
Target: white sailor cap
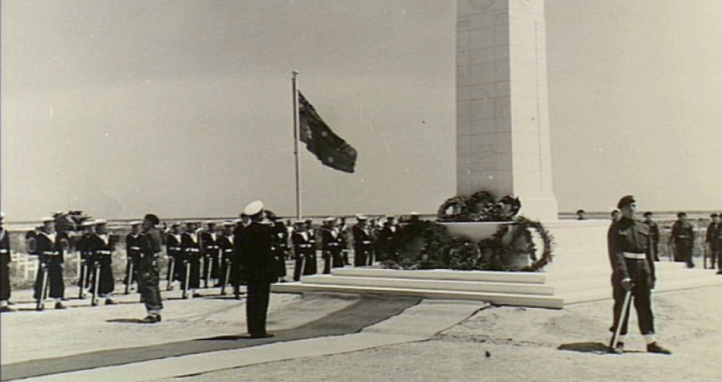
{"points": [[330, 220], [253, 208], [48, 219], [2, 215], [87, 223], [414, 213], [100, 222], [135, 223], [361, 217], [229, 223]]}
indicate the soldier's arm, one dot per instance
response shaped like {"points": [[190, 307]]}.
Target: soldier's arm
{"points": [[616, 255]]}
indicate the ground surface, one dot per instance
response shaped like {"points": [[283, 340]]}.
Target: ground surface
{"points": [[522, 344]]}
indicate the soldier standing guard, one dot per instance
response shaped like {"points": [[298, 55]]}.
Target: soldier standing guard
{"points": [[225, 245], [718, 241], [132, 252], [362, 242], [102, 246], [190, 244], [50, 269], [653, 233], [210, 254], [331, 242], [151, 245], [86, 258], [683, 238], [280, 247], [305, 260], [4, 268], [258, 268], [175, 255], [632, 270], [710, 241]]}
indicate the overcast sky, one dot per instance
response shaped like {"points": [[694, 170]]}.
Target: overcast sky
{"points": [[183, 107]]}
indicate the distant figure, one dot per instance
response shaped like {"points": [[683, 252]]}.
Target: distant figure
{"points": [[632, 270], [653, 233], [362, 242], [615, 215], [4, 268], [581, 215], [719, 247], [132, 251], [258, 267], [191, 269], [151, 246], [683, 239], [175, 255], [303, 251], [331, 242], [710, 241]]}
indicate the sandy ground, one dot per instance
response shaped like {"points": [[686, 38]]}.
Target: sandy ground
{"points": [[33, 335], [523, 345]]}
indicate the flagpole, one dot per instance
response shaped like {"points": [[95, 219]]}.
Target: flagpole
{"points": [[295, 144]]}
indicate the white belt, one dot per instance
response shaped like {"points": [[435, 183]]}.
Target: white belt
{"points": [[635, 256]]}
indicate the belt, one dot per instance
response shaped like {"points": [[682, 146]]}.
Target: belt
{"points": [[4, 251], [192, 250], [634, 256], [683, 237], [174, 248], [229, 250], [134, 248], [103, 252], [365, 242], [51, 253]]}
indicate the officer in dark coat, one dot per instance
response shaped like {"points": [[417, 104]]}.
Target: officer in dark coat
{"points": [[683, 238], [388, 236], [280, 247], [102, 246], [332, 249], [151, 244], [51, 252], [4, 268], [344, 232], [258, 268], [363, 244], [632, 269], [236, 277], [175, 255], [653, 233], [190, 244], [132, 252], [711, 240]]}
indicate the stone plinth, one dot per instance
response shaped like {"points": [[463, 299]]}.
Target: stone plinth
{"points": [[503, 143]]}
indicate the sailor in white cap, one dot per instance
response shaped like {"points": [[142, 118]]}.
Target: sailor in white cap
{"points": [[226, 249], [191, 267], [331, 242], [86, 257], [258, 267], [302, 248], [4, 268], [102, 246], [132, 252], [50, 249], [363, 244], [175, 254], [210, 254]]}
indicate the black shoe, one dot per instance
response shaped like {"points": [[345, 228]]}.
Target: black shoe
{"points": [[59, 305], [719, 272], [655, 348], [262, 335], [151, 319], [197, 295], [11, 303], [6, 309], [110, 302]]}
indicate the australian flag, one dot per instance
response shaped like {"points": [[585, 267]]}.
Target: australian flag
{"points": [[328, 147]]}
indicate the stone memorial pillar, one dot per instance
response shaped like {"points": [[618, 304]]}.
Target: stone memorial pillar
{"points": [[503, 143]]}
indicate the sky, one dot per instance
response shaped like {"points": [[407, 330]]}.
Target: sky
{"points": [[184, 107]]}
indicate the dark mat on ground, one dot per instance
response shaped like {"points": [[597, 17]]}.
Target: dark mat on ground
{"points": [[367, 311]]}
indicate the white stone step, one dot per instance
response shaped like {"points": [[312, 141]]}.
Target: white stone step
{"points": [[494, 298], [441, 285], [444, 274]]}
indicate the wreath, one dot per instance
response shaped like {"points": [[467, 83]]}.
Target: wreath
{"points": [[479, 207]]}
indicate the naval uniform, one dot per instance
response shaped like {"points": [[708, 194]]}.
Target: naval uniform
{"points": [[711, 240], [683, 237], [332, 256], [362, 245], [305, 255], [718, 240], [102, 247], [132, 251], [259, 269], [210, 256], [629, 255], [51, 254], [86, 258], [192, 257], [175, 257], [4, 265], [225, 246]]}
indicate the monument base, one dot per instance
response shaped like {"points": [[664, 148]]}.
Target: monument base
{"points": [[543, 209]]}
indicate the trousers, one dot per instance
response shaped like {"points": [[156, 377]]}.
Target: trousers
{"points": [[642, 297], [258, 297]]}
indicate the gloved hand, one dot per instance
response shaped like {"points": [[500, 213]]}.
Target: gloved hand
{"points": [[627, 284]]}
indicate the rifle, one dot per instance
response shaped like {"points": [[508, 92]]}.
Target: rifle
{"points": [[227, 277], [620, 321], [83, 276], [129, 273], [43, 288], [187, 278], [171, 272], [96, 284]]}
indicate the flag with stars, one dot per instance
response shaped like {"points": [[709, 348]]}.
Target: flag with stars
{"points": [[328, 147]]}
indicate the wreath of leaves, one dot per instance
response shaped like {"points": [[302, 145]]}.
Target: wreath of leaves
{"points": [[479, 207], [441, 251]]}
